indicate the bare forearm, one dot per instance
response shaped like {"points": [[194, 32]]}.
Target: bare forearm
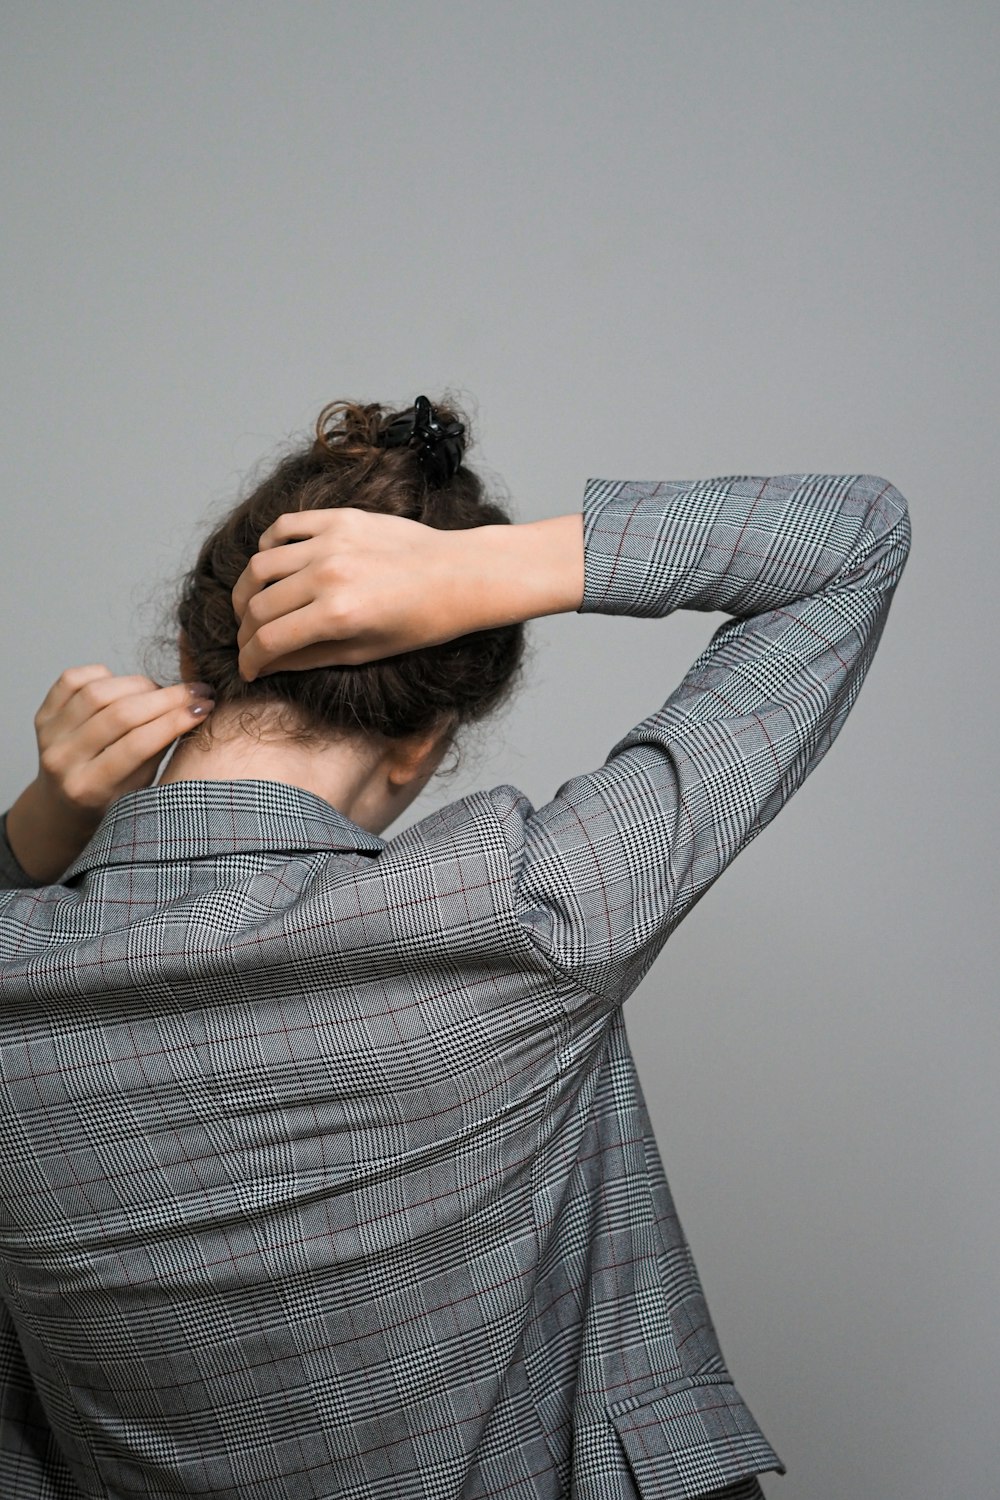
{"points": [[510, 574]]}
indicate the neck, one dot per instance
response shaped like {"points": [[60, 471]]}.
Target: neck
{"points": [[349, 773]]}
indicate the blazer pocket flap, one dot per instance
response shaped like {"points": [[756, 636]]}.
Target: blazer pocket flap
{"points": [[686, 1440]]}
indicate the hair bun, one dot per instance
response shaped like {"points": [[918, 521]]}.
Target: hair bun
{"points": [[345, 463], [348, 427], [439, 442]]}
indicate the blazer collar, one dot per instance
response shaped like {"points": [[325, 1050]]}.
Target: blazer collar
{"points": [[184, 820]]}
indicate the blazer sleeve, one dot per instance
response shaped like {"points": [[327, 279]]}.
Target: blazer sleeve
{"points": [[806, 565], [12, 876]]}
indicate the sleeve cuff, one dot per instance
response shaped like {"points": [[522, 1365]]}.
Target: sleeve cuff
{"points": [[12, 876]]}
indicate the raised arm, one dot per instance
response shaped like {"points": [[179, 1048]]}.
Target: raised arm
{"points": [[806, 564]]}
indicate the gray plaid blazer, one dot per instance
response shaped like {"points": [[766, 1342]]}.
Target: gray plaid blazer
{"points": [[326, 1168]]}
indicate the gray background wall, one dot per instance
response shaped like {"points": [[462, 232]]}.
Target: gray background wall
{"points": [[639, 240]]}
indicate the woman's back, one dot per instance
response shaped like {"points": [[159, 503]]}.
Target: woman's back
{"points": [[331, 1170], [368, 1192]]}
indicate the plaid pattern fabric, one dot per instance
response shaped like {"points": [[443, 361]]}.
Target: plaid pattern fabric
{"points": [[327, 1170]]}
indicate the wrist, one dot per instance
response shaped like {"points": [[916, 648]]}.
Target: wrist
{"points": [[518, 572], [45, 837]]}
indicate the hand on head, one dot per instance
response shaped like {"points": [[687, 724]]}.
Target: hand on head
{"points": [[344, 586]]}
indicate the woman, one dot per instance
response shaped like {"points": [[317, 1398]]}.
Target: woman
{"points": [[329, 1172]]}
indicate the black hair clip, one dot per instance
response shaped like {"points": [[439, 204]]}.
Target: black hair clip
{"points": [[440, 445]]}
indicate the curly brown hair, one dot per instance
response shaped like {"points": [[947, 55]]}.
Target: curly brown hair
{"points": [[439, 687]]}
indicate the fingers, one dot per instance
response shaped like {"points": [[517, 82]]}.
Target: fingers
{"points": [[281, 598], [296, 525], [84, 735], [65, 685], [281, 637], [158, 710], [264, 568], [275, 598], [289, 544], [117, 746], [322, 654], [89, 698], [134, 756]]}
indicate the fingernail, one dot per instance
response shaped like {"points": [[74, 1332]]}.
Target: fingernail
{"points": [[201, 709], [201, 690]]}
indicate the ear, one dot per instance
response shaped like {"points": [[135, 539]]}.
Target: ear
{"points": [[418, 758]]}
